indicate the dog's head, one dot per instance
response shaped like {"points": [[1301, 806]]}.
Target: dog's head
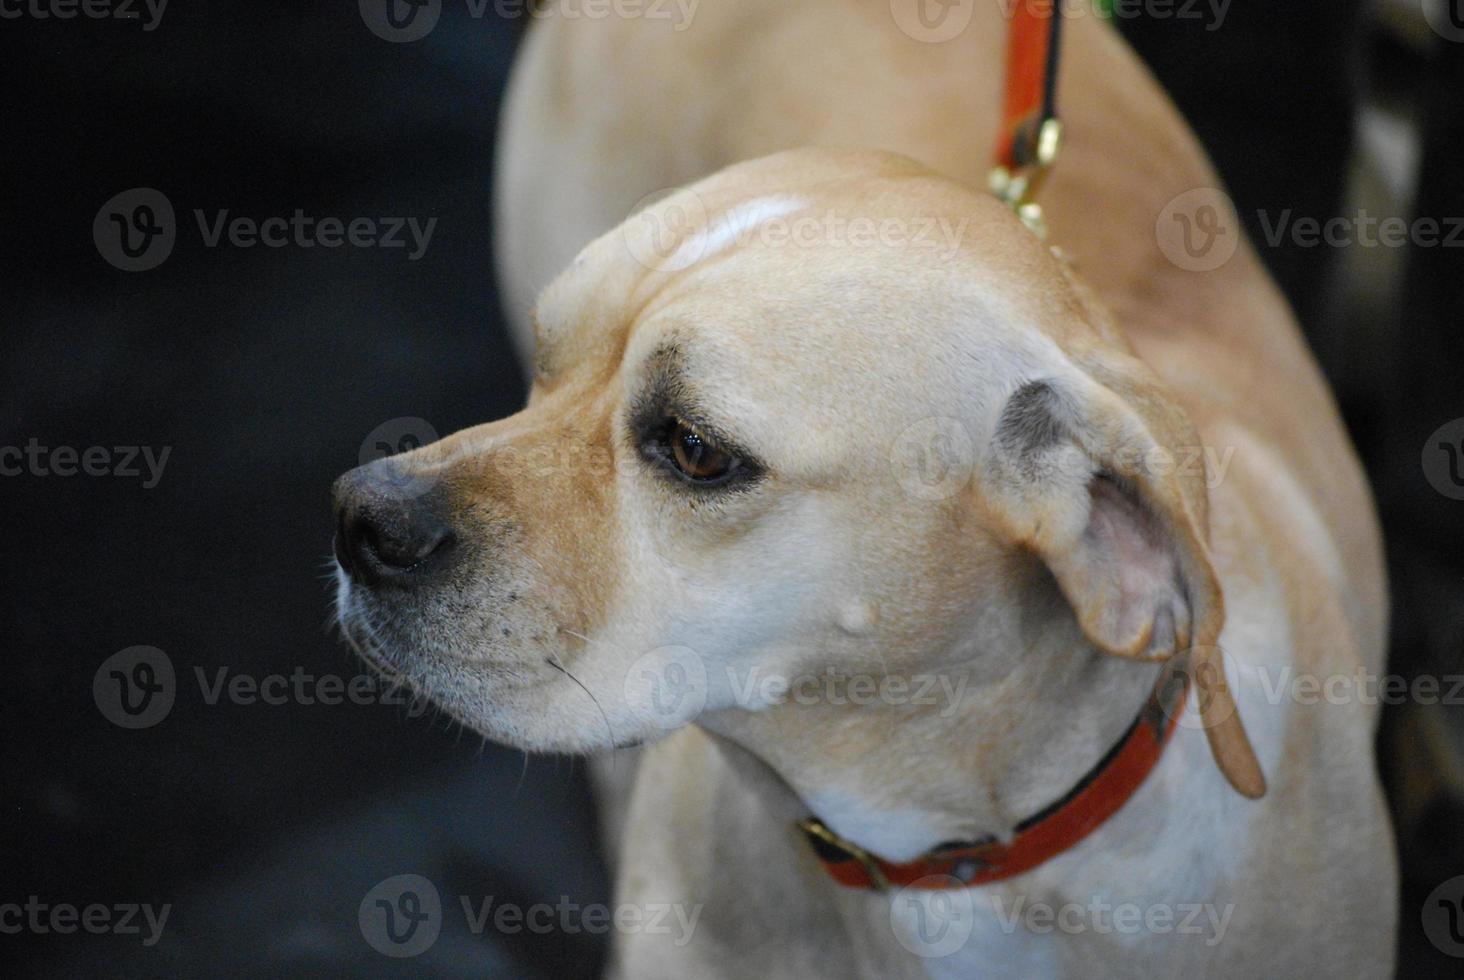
{"points": [[820, 413]]}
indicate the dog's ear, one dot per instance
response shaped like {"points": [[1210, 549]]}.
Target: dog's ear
{"points": [[1109, 491]]}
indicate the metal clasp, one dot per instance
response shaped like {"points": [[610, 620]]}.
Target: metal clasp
{"points": [[814, 827], [1017, 187]]}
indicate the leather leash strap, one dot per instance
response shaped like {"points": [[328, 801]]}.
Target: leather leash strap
{"points": [[1030, 133]]}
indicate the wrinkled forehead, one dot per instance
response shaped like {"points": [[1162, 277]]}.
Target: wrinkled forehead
{"points": [[853, 310]]}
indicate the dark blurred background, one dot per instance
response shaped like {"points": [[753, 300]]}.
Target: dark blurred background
{"points": [[263, 371]]}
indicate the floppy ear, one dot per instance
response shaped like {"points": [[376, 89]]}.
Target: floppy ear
{"points": [[1116, 508]]}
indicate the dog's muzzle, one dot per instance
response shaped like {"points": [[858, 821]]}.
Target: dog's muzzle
{"points": [[390, 529]]}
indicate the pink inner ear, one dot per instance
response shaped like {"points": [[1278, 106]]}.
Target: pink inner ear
{"points": [[1146, 606]]}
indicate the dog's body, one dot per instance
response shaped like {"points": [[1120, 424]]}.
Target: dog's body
{"points": [[818, 359]]}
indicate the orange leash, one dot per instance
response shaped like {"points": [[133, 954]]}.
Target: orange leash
{"points": [[1030, 132]]}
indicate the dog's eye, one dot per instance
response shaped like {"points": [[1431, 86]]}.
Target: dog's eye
{"points": [[693, 456], [698, 457]]}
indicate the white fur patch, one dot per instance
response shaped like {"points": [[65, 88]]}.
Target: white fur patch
{"points": [[735, 227]]}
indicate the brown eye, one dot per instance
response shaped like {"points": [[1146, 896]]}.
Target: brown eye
{"points": [[697, 458]]}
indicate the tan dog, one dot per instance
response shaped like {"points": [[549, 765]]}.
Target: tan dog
{"points": [[835, 415]]}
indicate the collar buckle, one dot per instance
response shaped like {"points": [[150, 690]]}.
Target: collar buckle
{"points": [[823, 839], [1017, 185]]}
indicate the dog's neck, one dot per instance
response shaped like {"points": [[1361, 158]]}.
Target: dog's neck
{"points": [[898, 781]]}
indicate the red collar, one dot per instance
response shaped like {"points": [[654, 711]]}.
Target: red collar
{"points": [[1097, 796]]}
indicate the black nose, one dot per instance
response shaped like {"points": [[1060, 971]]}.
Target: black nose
{"points": [[391, 526]]}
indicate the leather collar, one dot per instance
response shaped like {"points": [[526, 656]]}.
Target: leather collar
{"points": [[1044, 835]]}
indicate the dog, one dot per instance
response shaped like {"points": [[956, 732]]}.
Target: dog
{"points": [[1074, 516]]}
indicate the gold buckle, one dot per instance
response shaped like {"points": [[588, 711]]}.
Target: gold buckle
{"points": [[1016, 188], [815, 827]]}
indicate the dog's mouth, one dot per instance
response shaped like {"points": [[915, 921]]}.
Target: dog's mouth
{"points": [[356, 627], [463, 672]]}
